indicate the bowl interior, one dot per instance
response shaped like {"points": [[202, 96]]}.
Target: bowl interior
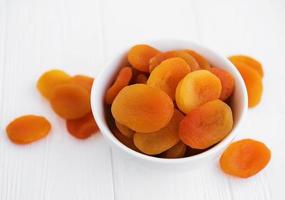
{"points": [[238, 100]]}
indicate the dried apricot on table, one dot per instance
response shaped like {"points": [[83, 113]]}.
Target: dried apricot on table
{"points": [[190, 60], [129, 133], [249, 61], [139, 56], [159, 141], [245, 158], [206, 125], [227, 81], [49, 80], [167, 75], [82, 127], [142, 108], [27, 129], [125, 140], [177, 151], [197, 88], [83, 81], [253, 83], [70, 101], [122, 80], [203, 63]]}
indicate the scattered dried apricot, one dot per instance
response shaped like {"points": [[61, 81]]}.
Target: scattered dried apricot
{"points": [[203, 63], [121, 81], [83, 81], [125, 130], [190, 60], [177, 151], [82, 127], [27, 129], [70, 101], [249, 61], [167, 75], [206, 125], [245, 158], [142, 108], [139, 56], [49, 80], [197, 88], [159, 141], [227, 81]]}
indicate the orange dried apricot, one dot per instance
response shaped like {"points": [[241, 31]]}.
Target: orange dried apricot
{"points": [[227, 81], [125, 140], [70, 101], [190, 60], [123, 78], [167, 75], [82, 127], [139, 56], [249, 61], [27, 129], [83, 81], [177, 151], [203, 63], [253, 83], [141, 78], [206, 125], [49, 80], [129, 133], [245, 158], [197, 88], [142, 108], [161, 140]]}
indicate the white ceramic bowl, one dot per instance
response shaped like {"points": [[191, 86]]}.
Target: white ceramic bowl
{"points": [[106, 77]]}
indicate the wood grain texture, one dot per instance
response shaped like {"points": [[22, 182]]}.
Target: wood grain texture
{"points": [[79, 37]]}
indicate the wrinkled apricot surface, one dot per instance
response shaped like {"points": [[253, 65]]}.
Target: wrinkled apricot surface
{"points": [[141, 78], [70, 101], [122, 80], [227, 81], [167, 75], [142, 108], [253, 83], [83, 81], [156, 60], [49, 80], [206, 125], [159, 141], [139, 56], [203, 63], [82, 127], [245, 158], [125, 140], [249, 61], [177, 151], [27, 129], [197, 88], [125, 130]]}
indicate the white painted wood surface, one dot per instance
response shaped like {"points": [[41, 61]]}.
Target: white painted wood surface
{"points": [[79, 37]]}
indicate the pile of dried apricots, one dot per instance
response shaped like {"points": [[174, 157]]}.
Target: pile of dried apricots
{"points": [[170, 104]]}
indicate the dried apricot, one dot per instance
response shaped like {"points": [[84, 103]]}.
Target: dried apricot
{"points": [[125, 140], [82, 127], [206, 125], [249, 61], [253, 83], [245, 158], [122, 80], [141, 78], [227, 81], [129, 133], [156, 60], [177, 151], [203, 63], [27, 129], [83, 81], [70, 101], [159, 141], [197, 88], [49, 80], [167, 75], [139, 56], [142, 108]]}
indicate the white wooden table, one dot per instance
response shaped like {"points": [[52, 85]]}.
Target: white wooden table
{"points": [[79, 36]]}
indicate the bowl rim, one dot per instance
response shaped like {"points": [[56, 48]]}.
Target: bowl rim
{"points": [[95, 101]]}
